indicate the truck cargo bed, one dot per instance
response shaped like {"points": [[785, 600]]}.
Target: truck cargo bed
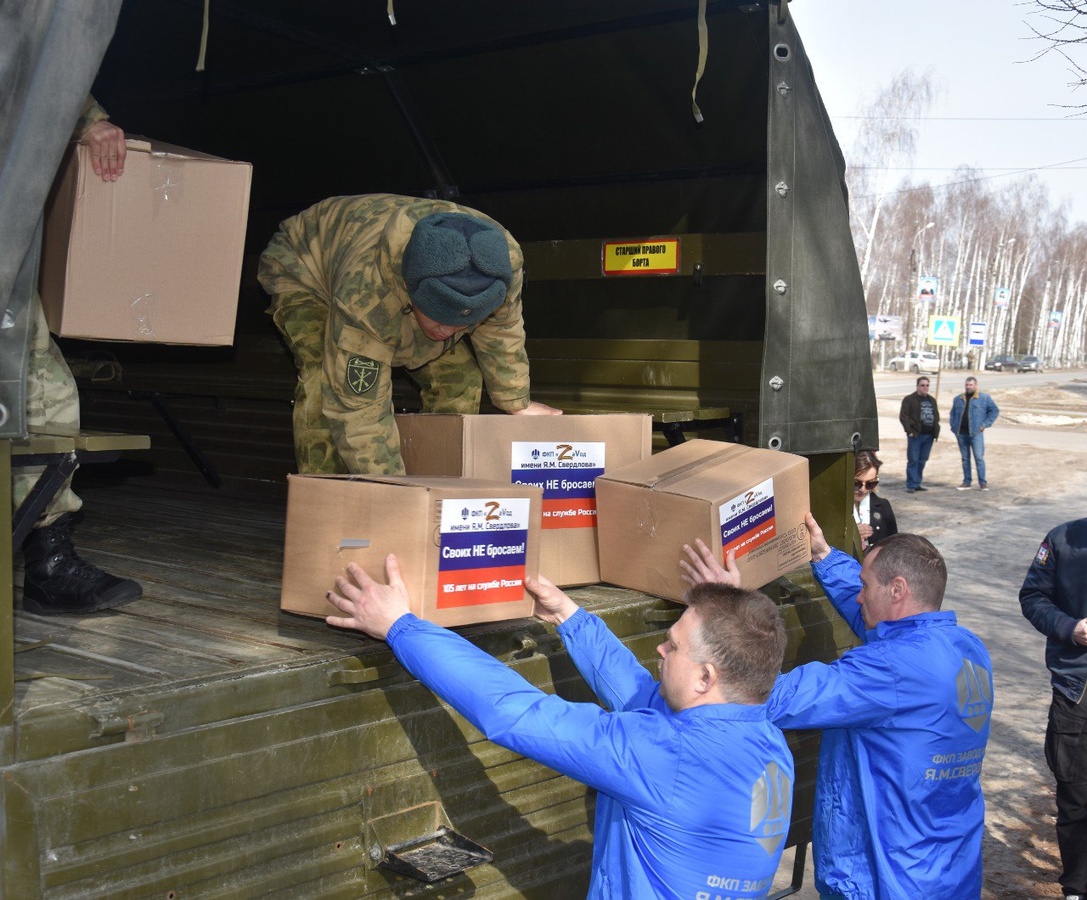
{"points": [[200, 741]]}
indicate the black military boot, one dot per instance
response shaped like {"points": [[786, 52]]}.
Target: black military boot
{"points": [[57, 580]]}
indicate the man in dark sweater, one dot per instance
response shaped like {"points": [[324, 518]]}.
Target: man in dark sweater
{"points": [[921, 420]]}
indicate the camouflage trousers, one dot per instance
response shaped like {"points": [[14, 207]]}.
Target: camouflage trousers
{"points": [[325, 439], [52, 400]]}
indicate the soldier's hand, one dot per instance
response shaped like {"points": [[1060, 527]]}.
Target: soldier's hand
{"points": [[371, 608], [535, 408], [552, 605], [701, 566], [819, 546], [107, 143]]}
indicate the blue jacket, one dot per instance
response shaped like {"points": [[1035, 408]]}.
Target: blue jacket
{"points": [[1054, 600], [983, 412], [695, 803], [898, 806]]}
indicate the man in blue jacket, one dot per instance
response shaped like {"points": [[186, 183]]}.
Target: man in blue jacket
{"points": [[898, 806], [1054, 600], [971, 413], [695, 785]]}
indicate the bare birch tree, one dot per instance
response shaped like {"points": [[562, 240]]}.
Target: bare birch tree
{"points": [[1061, 27], [887, 136], [972, 236]]}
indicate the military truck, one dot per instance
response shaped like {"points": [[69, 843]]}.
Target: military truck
{"points": [[199, 742]]}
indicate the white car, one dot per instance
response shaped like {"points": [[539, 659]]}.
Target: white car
{"points": [[916, 361]]}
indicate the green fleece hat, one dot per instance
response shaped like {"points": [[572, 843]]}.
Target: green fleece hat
{"points": [[457, 268]]}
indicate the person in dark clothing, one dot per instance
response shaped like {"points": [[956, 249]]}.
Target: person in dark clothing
{"points": [[921, 420], [874, 517], [1054, 601]]}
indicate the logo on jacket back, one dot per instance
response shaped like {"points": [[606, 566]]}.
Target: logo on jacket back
{"points": [[771, 807], [975, 694]]}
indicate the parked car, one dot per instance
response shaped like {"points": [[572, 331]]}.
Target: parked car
{"points": [[1000, 363], [916, 361], [1029, 364]]}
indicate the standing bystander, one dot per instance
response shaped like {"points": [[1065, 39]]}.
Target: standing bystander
{"points": [[921, 420], [1054, 600], [873, 514], [971, 413]]}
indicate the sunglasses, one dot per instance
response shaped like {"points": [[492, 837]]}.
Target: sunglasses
{"points": [[861, 485]]}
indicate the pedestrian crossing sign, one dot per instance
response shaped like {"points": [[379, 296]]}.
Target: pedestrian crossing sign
{"points": [[943, 331]]}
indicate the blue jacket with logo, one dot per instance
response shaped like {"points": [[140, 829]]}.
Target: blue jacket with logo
{"points": [[691, 804], [1054, 600], [898, 806], [983, 412]]}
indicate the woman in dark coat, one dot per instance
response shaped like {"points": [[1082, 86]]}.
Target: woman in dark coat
{"points": [[874, 517]]}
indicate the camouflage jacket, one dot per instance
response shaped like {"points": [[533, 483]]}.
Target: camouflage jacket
{"points": [[338, 296]]}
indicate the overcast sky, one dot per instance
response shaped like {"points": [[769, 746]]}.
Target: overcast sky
{"points": [[995, 110]]}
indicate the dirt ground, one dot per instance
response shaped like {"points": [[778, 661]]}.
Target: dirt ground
{"points": [[1036, 456]]}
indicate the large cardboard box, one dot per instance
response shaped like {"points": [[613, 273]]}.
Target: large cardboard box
{"points": [[463, 545], [155, 256], [561, 454], [729, 495]]}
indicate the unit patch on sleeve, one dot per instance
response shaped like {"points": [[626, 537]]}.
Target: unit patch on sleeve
{"points": [[1042, 556], [362, 374]]}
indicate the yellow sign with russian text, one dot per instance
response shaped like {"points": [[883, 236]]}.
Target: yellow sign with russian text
{"points": [[653, 256]]}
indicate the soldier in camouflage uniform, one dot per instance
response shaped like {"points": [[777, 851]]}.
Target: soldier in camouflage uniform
{"points": [[56, 579], [362, 284]]}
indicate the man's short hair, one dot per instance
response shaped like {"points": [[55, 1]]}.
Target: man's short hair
{"points": [[921, 378], [917, 561], [742, 634]]}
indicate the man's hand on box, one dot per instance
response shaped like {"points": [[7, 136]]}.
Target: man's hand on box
{"points": [[819, 546], [536, 408], [371, 607], [552, 605], [701, 566], [107, 143]]}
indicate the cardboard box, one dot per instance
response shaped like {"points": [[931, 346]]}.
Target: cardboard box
{"points": [[155, 256], [463, 545], [561, 454], [729, 495]]}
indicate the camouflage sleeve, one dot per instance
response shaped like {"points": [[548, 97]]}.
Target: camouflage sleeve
{"points": [[91, 114], [452, 383], [358, 398], [499, 344], [292, 265]]}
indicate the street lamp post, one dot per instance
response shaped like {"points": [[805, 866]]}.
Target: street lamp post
{"points": [[911, 274]]}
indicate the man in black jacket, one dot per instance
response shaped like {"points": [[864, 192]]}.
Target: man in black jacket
{"points": [[921, 420], [1054, 599]]}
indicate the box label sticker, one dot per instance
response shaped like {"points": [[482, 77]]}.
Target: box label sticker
{"points": [[481, 555], [566, 471], [748, 521]]}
